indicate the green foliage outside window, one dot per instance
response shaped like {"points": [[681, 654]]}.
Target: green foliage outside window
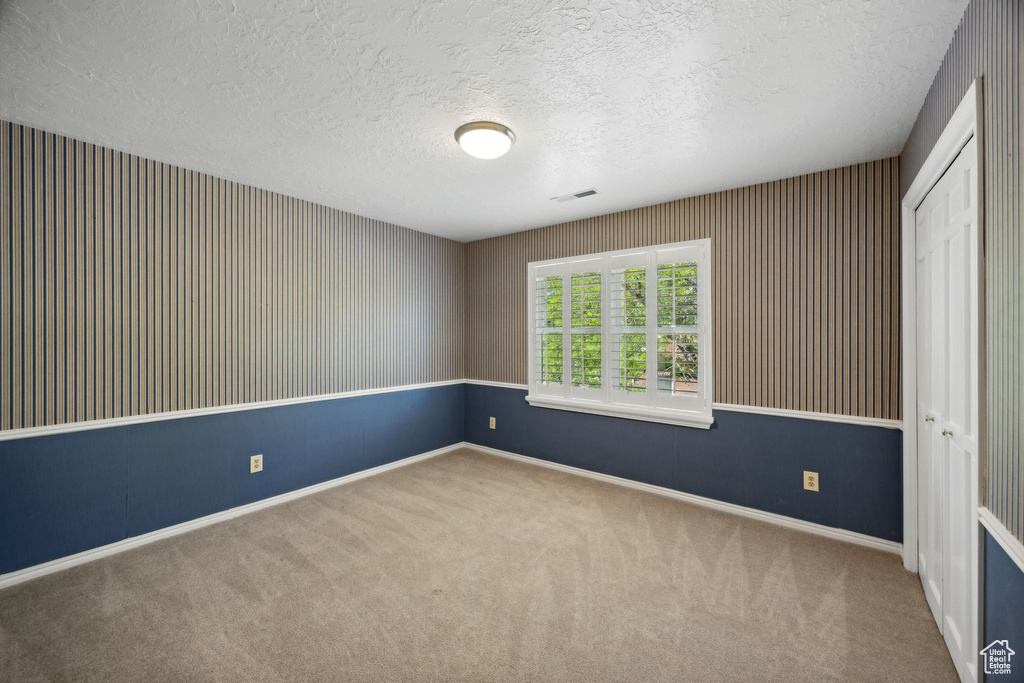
{"points": [[549, 315], [677, 360], [551, 358], [633, 362], [677, 294], [632, 346], [585, 295], [551, 291], [586, 300], [586, 360], [677, 307]]}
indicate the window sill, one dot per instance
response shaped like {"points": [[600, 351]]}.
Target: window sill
{"points": [[683, 418]]}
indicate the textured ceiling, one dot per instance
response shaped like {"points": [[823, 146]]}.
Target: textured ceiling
{"points": [[353, 104]]}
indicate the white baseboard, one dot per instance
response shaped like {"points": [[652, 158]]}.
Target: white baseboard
{"points": [[29, 573], [751, 513], [61, 563]]}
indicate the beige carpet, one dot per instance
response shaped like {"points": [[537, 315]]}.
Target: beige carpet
{"points": [[468, 567]]}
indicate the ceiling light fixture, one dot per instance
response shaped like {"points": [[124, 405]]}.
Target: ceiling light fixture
{"points": [[484, 139]]}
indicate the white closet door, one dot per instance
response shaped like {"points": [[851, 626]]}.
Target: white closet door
{"points": [[931, 261], [948, 323]]}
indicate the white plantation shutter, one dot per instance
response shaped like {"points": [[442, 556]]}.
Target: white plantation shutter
{"points": [[549, 293], [586, 321], [548, 310], [680, 285], [625, 333], [627, 295]]}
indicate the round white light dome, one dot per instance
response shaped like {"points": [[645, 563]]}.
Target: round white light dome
{"points": [[484, 139]]}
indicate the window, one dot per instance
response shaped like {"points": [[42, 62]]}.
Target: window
{"points": [[625, 333]]}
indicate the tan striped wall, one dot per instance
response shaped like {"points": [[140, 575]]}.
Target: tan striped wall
{"points": [[129, 286], [806, 288], [989, 43]]}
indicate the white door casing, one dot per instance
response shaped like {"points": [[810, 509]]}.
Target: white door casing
{"points": [[931, 503], [944, 380], [947, 245]]}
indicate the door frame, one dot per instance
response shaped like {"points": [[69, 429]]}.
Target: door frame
{"points": [[965, 123]]}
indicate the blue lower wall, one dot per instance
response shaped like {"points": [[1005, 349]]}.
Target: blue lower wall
{"points": [[1004, 605], [66, 493], [70, 492], [752, 460]]}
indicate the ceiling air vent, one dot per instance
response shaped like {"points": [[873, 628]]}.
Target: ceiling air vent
{"points": [[575, 195]]}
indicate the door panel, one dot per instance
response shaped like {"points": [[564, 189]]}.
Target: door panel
{"points": [[930, 474], [956, 602], [932, 450], [948, 303], [956, 329], [932, 534]]}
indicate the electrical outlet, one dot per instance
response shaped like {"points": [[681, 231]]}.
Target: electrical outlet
{"points": [[811, 481], [494, 423], [256, 464]]}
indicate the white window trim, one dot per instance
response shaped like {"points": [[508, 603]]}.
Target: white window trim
{"points": [[652, 408]]}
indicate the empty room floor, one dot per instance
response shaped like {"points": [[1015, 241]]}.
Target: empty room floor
{"points": [[472, 567]]}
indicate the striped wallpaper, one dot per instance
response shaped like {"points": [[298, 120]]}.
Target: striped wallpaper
{"points": [[130, 286], [988, 44], [806, 288]]}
